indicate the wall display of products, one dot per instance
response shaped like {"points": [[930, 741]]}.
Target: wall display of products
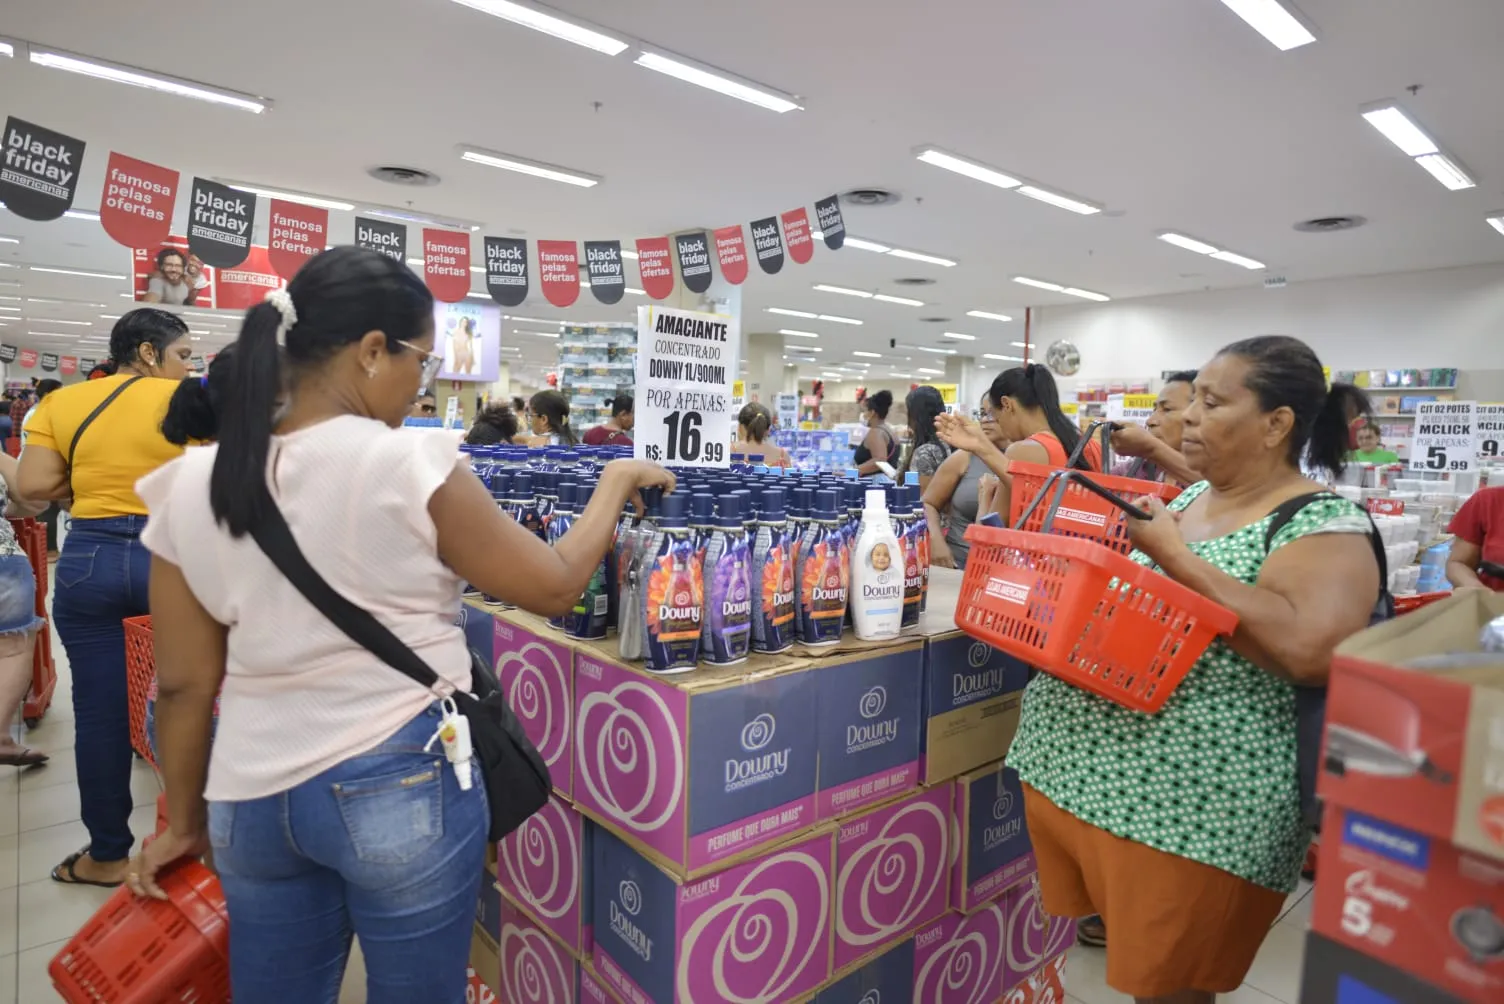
{"points": [[596, 363], [817, 449]]}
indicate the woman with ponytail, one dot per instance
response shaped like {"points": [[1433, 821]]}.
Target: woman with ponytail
{"points": [[90, 442], [1184, 829], [551, 427], [1026, 407], [330, 811]]}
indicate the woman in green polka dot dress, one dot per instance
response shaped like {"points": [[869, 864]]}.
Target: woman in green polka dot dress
{"points": [[1183, 828]]}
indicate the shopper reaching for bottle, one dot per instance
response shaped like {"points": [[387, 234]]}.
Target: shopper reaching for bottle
{"points": [[1183, 829], [326, 816]]}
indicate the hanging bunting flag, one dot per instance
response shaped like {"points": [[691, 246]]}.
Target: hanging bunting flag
{"points": [[603, 261], [446, 264], [85, 364], [828, 219], [796, 234], [49, 362], [28, 358], [731, 251], [694, 261], [653, 265], [295, 234], [219, 223], [68, 365], [136, 209], [39, 170], [506, 270], [768, 244], [559, 271], [196, 364], [380, 235], [8, 353]]}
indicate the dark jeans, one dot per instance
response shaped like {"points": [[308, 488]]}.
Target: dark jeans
{"points": [[101, 580]]}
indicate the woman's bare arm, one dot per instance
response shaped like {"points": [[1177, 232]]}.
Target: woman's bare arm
{"points": [[42, 475], [1462, 564]]}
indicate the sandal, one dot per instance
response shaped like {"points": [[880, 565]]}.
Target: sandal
{"points": [[65, 874], [25, 757], [1092, 932]]}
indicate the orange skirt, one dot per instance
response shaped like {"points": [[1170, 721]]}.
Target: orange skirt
{"points": [[1173, 924]]}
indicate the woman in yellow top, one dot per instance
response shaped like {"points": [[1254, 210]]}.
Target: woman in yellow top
{"points": [[92, 442]]}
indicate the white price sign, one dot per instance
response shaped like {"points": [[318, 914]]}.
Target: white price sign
{"points": [[1491, 431], [1445, 437], [788, 410], [686, 364]]}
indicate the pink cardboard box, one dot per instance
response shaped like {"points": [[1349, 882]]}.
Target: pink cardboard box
{"points": [[543, 867], [892, 873], [534, 967], [959, 960], [1034, 937], [537, 676]]}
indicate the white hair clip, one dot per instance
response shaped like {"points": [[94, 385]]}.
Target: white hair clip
{"points": [[282, 300]]}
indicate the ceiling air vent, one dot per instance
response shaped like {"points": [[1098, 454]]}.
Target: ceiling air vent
{"points": [[870, 197], [913, 280], [410, 177], [1328, 224]]}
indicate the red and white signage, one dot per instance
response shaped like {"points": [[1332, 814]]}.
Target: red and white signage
{"points": [[68, 365], [28, 358], [731, 251], [654, 266], [295, 234], [796, 235], [247, 284], [136, 205], [559, 271], [446, 264]]}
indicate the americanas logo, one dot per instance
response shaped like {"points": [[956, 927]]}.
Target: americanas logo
{"points": [[1081, 516], [873, 702], [758, 732], [1008, 592]]}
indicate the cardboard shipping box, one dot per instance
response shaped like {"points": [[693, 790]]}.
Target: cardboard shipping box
{"points": [[1336, 974], [992, 848], [544, 869], [869, 709], [972, 697], [535, 666]]}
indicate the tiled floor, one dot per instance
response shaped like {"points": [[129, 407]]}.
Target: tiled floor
{"points": [[39, 825]]}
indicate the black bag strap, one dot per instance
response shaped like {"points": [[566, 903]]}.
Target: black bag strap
{"points": [[99, 410], [1287, 510], [275, 539]]}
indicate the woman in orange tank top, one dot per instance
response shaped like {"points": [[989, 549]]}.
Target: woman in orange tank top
{"points": [[1026, 406]]}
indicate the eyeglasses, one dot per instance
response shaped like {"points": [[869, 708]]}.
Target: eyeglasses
{"points": [[432, 362], [428, 409]]}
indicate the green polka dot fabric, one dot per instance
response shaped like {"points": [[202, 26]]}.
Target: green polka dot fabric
{"points": [[1211, 777]]}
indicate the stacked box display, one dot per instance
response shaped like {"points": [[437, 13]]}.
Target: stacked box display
{"points": [[972, 695], [537, 676], [869, 724], [544, 868], [992, 848]]}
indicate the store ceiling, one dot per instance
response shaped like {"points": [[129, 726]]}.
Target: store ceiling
{"points": [[1172, 114]]}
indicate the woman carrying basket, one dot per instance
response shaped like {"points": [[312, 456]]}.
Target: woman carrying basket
{"points": [[1183, 829]]}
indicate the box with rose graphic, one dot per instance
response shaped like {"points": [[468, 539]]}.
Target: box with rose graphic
{"points": [[760, 930], [536, 673], [543, 868]]}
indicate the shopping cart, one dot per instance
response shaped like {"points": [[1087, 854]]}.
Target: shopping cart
{"points": [[1082, 610]]}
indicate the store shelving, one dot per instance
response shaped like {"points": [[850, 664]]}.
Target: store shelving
{"points": [[596, 362]]}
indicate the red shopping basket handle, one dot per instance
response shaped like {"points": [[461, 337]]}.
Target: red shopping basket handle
{"points": [[1059, 480]]}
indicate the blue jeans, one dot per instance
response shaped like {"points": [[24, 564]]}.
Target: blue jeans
{"points": [[101, 580], [384, 846]]}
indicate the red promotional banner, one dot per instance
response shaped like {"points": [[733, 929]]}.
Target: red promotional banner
{"points": [[247, 284], [796, 235], [559, 271], [295, 234], [446, 264], [69, 365], [731, 249], [654, 266], [136, 207], [28, 358]]}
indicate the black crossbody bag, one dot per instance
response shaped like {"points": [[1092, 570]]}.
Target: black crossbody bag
{"points": [[516, 778]]}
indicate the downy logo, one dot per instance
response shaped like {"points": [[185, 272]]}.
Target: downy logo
{"points": [[756, 735], [866, 737], [1002, 806], [630, 898], [758, 732], [871, 997], [873, 702], [978, 654]]}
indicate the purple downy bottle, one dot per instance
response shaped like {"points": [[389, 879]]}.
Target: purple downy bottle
{"points": [[558, 526], [727, 634], [822, 573]]}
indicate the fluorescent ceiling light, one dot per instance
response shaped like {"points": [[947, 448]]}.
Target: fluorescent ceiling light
{"points": [[679, 70], [797, 334], [415, 262], [988, 316], [109, 317], [1189, 243], [58, 320], [73, 214], [14, 299], [1019, 345], [902, 376], [1087, 294], [1496, 221], [115, 73], [971, 169], [74, 303], [834, 376], [540, 334], [901, 300], [51, 334], [799, 349], [16, 309], [930, 372], [7, 48], [957, 334], [868, 355], [1038, 283], [838, 319], [1003, 359], [822, 287], [477, 296], [70, 271], [635, 291], [629, 254], [407, 217], [10, 240], [1054, 199], [531, 320], [1233, 259], [1400, 130], [926, 348], [538, 170], [316, 201], [791, 313], [1272, 20], [861, 245], [918, 256], [1446, 171], [533, 17]]}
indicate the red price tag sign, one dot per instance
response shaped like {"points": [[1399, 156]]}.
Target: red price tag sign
{"points": [[1386, 507]]}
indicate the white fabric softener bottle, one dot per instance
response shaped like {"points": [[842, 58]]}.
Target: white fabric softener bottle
{"points": [[877, 572]]}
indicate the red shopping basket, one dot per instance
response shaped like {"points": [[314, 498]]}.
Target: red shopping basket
{"points": [[1406, 604], [140, 670], [1085, 613], [1078, 512], [145, 951]]}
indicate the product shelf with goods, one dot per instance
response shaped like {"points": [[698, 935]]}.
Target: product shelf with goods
{"points": [[596, 363]]}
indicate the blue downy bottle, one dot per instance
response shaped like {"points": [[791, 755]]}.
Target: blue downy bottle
{"points": [[614, 580], [921, 529], [587, 619], [727, 634], [501, 494], [546, 484], [908, 545], [558, 526], [822, 572], [702, 519], [525, 503], [773, 584], [673, 593]]}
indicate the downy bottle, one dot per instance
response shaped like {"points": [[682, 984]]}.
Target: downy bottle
{"points": [[525, 503], [773, 579], [546, 484], [614, 580], [673, 593], [822, 572], [701, 518], [921, 535], [727, 634], [630, 625], [587, 619], [908, 545], [558, 526], [501, 493], [877, 569], [801, 499]]}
